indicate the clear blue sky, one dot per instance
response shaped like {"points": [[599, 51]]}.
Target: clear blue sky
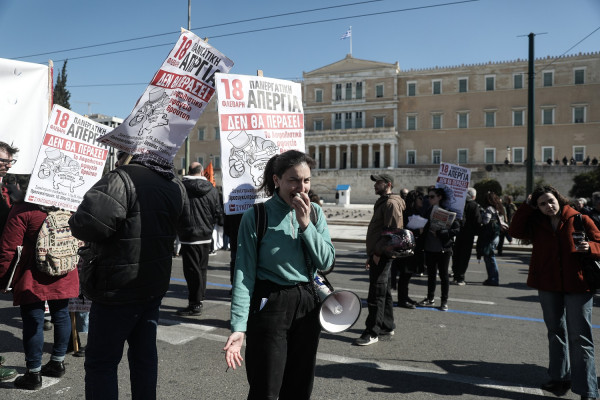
{"points": [[465, 33]]}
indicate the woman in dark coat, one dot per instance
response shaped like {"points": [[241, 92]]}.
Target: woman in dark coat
{"points": [[31, 289], [546, 220]]}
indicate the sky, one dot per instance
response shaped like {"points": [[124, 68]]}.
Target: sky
{"points": [[415, 33]]}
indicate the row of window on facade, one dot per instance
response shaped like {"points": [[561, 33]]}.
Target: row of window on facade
{"points": [[515, 155], [354, 120], [348, 91]]}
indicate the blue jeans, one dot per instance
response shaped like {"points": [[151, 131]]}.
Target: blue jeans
{"points": [[33, 331], [568, 318], [110, 327], [492, 268]]}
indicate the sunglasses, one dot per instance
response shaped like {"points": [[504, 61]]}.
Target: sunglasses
{"points": [[10, 162]]}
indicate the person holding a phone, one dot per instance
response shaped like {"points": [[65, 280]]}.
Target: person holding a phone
{"points": [[547, 222]]}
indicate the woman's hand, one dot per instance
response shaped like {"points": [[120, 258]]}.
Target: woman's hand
{"points": [[301, 204], [233, 349], [583, 247]]}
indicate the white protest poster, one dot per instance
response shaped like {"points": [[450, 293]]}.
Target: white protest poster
{"points": [[172, 102], [258, 117], [25, 92], [455, 181], [69, 161]]}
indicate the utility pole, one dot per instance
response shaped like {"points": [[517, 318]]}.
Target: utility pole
{"points": [[530, 117], [187, 139]]}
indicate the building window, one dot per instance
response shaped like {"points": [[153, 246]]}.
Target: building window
{"points": [[318, 96], [490, 156], [348, 120], [548, 154], [578, 153], [338, 91], [436, 121], [379, 122], [338, 121], [518, 118], [411, 89], [436, 156], [518, 81], [490, 83], [518, 155], [548, 78], [547, 116], [490, 119], [318, 124], [578, 115], [217, 133], [217, 162], [200, 134], [359, 94], [379, 90], [463, 120], [411, 122], [463, 84], [183, 166], [411, 157], [348, 91], [463, 156], [579, 77], [200, 160], [358, 122], [436, 87]]}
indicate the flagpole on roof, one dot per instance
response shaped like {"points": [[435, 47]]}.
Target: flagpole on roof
{"points": [[350, 41]]}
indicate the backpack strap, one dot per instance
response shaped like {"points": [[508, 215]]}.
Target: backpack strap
{"points": [[261, 222]]}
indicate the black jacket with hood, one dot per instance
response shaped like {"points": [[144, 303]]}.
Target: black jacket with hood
{"points": [[205, 210]]}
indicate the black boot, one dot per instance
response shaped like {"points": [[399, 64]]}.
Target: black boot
{"points": [[55, 369], [29, 381]]}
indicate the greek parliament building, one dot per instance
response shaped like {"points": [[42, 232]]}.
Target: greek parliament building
{"points": [[362, 116]]}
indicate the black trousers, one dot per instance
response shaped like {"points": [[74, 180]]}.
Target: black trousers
{"points": [[379, 299], [437, 262], [463, 248], [195, 265], [281, 342]]}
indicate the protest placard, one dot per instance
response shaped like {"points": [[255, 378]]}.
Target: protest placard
{"points": [[69, 160], [172, 102], [26, 90], [259, 117], [455, 181]]}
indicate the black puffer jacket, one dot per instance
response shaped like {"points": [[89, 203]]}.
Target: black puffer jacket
{"points": [[128, 220], [205, 210]]}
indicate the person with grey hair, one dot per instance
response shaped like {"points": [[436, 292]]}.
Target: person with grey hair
{"points": [[463, 246]]}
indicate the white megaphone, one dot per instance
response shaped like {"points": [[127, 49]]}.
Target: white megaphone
{"points": [[340, 309]]}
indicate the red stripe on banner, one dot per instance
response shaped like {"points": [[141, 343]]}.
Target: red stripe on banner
{"points": [[236, 122], [75, 147], [169, 80]]}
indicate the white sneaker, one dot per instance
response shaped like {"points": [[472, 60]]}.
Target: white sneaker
{"points": [[366, 339]]}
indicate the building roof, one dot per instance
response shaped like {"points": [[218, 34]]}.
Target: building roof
{"points": [[350, 64]]}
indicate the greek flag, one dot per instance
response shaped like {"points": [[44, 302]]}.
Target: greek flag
{"points": [[347, 34]]}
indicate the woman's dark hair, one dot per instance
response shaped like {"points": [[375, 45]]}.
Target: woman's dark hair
{"points": [[411, 200], [280, 163], [439, 192], [492, 199], [542, 190]]}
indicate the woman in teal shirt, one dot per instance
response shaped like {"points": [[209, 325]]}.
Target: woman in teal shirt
{"points": [[273, 304]]}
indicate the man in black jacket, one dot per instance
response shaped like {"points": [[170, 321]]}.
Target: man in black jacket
{"points": [[128, 220], [463, 246], [195, 235]]}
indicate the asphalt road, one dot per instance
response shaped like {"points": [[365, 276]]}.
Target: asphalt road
{"points": [[490, 344]]}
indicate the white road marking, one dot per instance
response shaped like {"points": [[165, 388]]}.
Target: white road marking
{"points": [[177, 332]]}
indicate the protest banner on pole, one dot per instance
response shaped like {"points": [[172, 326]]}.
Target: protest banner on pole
{"points": [[69, 160], [172, 102], [258, 117], [26, 90], [455, 181]]}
